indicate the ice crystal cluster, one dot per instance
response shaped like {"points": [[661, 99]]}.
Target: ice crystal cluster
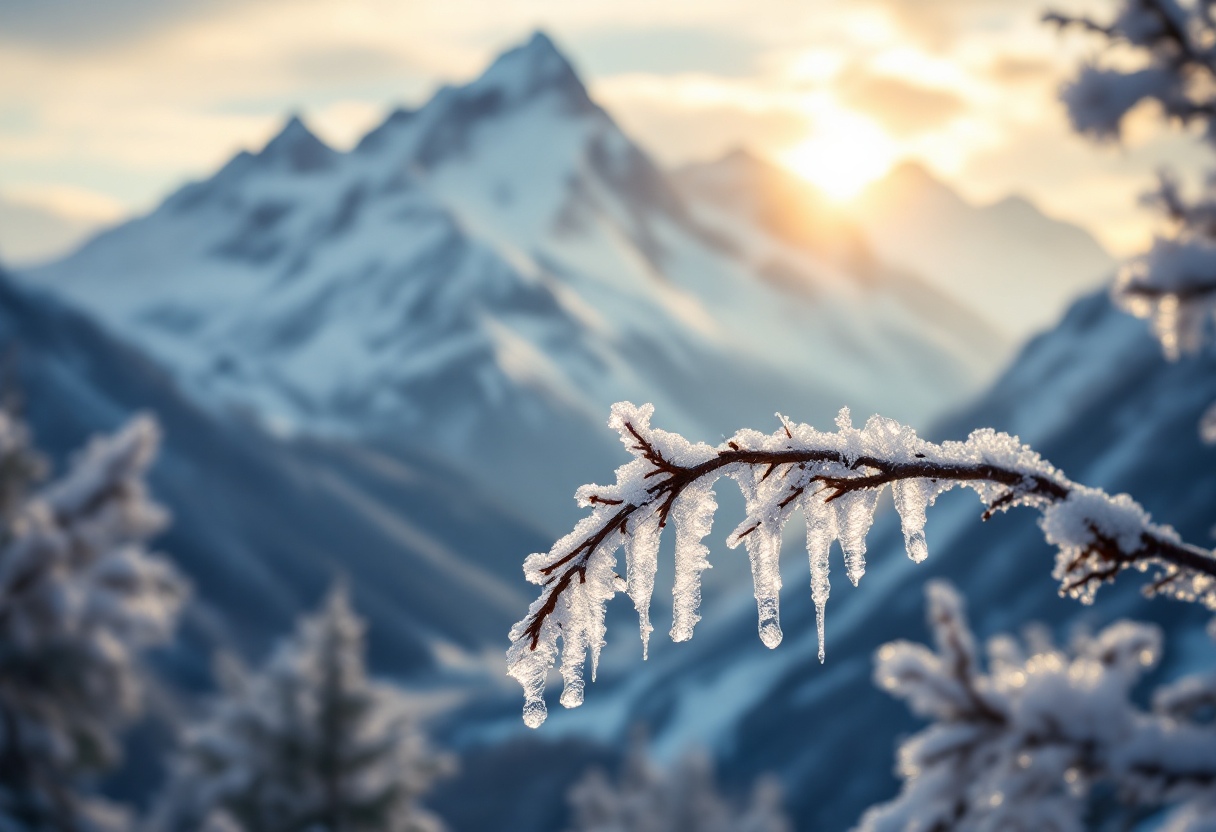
{"points": [[647, 799], [1172, 62], [309, 742], [80, 600], [834, 479], [1044, 738]]}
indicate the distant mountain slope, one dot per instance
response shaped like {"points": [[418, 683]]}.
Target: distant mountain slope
{"points": [[261, 526], [1015, 265], [1095, 397], [744, 197], [483, 276]]}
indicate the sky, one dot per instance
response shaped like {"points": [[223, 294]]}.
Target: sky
{"points": [[106, 107]]}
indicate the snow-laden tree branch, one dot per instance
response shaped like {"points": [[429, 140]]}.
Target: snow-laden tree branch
{"points": [[835, 479], [1174, 283], [1045, 735], [307, 742], [81, 599]]}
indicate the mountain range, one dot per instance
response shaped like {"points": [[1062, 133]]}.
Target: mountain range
{"points": [[478, 279]]}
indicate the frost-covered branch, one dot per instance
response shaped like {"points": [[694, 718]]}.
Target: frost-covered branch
{"points": [[1041, 736], [835, 479]]}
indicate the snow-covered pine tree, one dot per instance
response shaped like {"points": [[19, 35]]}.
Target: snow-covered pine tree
{"points": [[684, 799], [80, 600], [307, 743], [1174, 44], [1046, 739]]}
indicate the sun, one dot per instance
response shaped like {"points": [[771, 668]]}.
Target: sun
{"points": [[844, 154]]}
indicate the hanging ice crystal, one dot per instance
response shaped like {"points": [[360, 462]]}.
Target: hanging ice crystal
{"points": [[761, 534], [693, 514], [854, 516], [820, 532], [911, 500], [764, 550], [530, 667], [642, 561]]}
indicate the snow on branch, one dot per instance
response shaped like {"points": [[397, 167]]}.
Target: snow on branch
{"points": [[835, 479], [1174, 283], [1043, 736]]}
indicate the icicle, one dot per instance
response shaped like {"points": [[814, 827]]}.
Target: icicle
{"points": [[642, 561], [574, 647], [761, 534], [911, 500], [854, 516], [693, 515], [764, 550], [820, 532], [600, 585], [530, 667]]}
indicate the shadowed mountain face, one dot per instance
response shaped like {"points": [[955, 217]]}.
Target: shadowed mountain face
{"points": [[482, 277], [261, 526]]}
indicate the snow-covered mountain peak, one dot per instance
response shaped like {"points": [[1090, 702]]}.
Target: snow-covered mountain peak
{"points": [[535, 68], [523, 82], [297, 149]]}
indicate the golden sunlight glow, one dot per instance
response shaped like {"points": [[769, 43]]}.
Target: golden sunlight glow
{"points": [[846, 153]]}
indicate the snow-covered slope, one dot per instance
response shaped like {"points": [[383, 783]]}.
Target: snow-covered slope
{"points": [[481, 277], [1095, 397], [1008, 260], [262, 525]]}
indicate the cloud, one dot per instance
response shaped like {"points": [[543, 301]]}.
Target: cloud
{"points": [[666, 51], [699, 117], [67, 201], [940, 23], [85, 24], [1020, 69], [903, 108], [344, 63]]}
